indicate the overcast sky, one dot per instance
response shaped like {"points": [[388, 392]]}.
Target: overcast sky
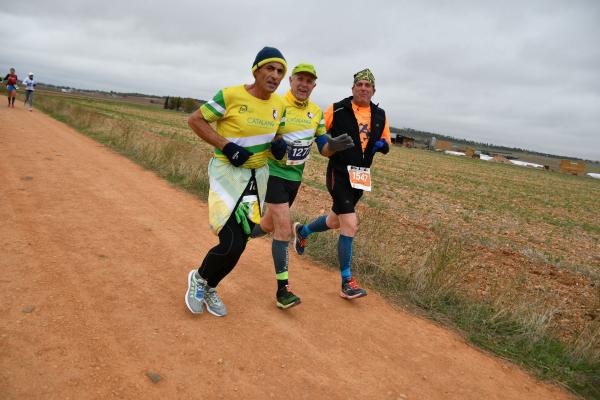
{"points": [[523, 73]]}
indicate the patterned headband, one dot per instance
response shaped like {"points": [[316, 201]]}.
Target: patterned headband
{"points": [[364, 75]]}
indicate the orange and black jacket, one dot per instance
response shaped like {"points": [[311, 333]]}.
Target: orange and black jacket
{"points": [[344, 121]]}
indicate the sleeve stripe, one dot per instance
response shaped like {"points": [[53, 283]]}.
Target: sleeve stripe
{"points": [[215, 107], [248, 141]]}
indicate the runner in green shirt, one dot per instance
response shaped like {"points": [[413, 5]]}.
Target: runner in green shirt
{"points": [[303, 124]]}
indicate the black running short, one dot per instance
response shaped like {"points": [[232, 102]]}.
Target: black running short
{"points": [[281, 190], [344, 196]]}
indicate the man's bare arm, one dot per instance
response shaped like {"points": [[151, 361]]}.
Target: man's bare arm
{"points": [[203, 129]]}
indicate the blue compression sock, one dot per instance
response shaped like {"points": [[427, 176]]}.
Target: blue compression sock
{"points": [[345, 256], [318, 225]]}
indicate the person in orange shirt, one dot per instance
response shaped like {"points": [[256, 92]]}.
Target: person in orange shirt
{"points": [[348, 171]]}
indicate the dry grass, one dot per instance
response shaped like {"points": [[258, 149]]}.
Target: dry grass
{"points": [[586, 344], [440, 270], [534, 315]]}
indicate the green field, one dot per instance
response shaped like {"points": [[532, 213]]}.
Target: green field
{"points": [[505, 254]]}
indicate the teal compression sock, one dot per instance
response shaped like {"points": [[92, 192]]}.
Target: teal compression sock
{"points": [[318, 225], [345, 256]]}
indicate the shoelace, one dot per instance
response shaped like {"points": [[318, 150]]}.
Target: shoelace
{"points": [[352, 283], [302, 240], [198, 289], [213, 296]]}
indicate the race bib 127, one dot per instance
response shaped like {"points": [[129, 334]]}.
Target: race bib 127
{"points": [[298, 152]]}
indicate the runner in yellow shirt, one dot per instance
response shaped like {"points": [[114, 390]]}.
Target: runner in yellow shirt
{"points": [[247, 119]]}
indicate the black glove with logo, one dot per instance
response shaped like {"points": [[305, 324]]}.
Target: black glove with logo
{"points": [[339, 143], [278, 148], [237, 155]]}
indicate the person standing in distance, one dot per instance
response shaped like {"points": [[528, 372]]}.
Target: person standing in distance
{"points": [[303, 124], [29, 84], [348, 172], [247, 118]]}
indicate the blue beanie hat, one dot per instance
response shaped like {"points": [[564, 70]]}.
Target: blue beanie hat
{"points": [[267, 55]]}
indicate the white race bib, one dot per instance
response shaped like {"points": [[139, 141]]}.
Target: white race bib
{"points": [[298, 151]]}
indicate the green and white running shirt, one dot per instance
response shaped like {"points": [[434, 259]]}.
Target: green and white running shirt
{"points": [[303, 122], [245, 120]]}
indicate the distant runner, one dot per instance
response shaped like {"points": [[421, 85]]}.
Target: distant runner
{"points": [[11, 87], [303, 124], [247, 118], [29, 84], [348, 172]]}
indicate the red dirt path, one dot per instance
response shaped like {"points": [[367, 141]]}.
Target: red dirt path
{"points": [[94, 254]]}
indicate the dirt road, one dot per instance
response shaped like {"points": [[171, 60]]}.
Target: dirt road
{"points": [[94, 254]]}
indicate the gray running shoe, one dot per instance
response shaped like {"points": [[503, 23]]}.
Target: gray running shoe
{"points": [[194, 298], [213, 302]]}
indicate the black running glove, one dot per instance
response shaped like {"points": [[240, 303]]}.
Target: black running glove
{"points": [[339, 143], [237, 155], [278, 148]]}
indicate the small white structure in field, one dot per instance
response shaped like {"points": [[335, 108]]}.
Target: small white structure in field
{"points": [[485, 157], [454, 153], [526, 164], [593, 175]]}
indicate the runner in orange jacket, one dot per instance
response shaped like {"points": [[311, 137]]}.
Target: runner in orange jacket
{"points": [[348, 171]]}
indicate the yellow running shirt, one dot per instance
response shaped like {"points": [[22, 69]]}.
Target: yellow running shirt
{"points": [[245, 120], [304, 122]]}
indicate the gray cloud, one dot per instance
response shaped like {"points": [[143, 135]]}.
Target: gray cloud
{"points": [[521, 74]]}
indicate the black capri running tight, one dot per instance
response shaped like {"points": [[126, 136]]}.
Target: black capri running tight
{"points": [[221, 259]]}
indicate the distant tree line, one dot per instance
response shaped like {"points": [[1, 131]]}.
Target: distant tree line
{"points": [[185, 104], [425, 137]]}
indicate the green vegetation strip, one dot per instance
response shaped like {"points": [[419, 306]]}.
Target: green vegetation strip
{"points": [[427, 286]]}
